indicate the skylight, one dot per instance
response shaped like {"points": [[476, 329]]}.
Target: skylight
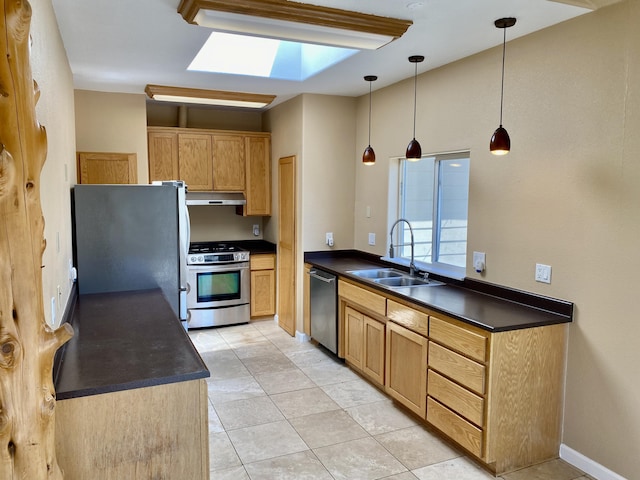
{"points": [[264, 57]]}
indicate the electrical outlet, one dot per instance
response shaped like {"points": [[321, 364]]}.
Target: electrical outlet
{"points": [[479, 261], [372, 239], [543, 273], [256, 230], [329, 239]]}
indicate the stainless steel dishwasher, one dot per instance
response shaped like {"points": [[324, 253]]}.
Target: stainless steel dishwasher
{"points": [[324, 308]]}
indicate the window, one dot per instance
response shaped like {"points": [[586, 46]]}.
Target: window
{"points": [[434, 197]]}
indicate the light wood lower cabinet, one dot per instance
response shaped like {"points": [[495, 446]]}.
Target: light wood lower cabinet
{"points": [[152, 432], [498, 395], [406, 365], [263, 285], [365, 344]]}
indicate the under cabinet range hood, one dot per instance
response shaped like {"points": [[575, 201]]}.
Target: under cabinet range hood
{"points": [[215, 198]]}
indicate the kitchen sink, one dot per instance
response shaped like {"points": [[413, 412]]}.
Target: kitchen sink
{"points": [[391, 278], [377, 273], [402, 282]]}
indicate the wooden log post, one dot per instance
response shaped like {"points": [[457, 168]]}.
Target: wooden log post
{"points": [[27, 343]]}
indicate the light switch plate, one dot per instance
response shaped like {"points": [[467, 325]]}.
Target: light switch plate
{"points": [[543, 273], [372, 239]]}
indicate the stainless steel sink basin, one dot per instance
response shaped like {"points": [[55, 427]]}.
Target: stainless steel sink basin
{"points": [[401, 282], [376, 273], [391, 278]]}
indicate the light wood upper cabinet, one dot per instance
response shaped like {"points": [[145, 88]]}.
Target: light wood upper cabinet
{"points": [[215, 160], [228, 163], [163, 155], [258, 176], [98, 167], [194, 161]]}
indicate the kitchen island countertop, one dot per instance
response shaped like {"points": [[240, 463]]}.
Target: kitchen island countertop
{"points": [[487, 306], [124, 340]]}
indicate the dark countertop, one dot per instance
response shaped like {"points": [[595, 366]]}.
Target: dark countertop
{"points": [[487, 306], [255, 246], [122, 341]]}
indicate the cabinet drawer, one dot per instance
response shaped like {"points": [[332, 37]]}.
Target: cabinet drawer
{"points": [[464, 433], [457, 398], [371, 301], [408, 317], [262, 262], [457, 338], [461, 369]]}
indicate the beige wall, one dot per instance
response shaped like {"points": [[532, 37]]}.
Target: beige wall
{"points": [[54, 110], [285, 124], [113, 122], [219, 223], [328, 174], [320, 131], [567, 195]]}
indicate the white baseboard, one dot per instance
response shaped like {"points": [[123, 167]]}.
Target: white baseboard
{"points": [[302, 337], [587, 465]]}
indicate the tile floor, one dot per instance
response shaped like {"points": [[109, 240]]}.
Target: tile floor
{"points": [[281, 409]]}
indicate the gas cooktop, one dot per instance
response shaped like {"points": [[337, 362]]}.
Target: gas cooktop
{"points": [[215, 252]]}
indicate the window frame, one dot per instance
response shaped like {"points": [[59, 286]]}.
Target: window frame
{"points": [[441, 268]]}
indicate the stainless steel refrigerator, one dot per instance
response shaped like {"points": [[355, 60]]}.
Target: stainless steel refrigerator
{"points": [[132, 237]]}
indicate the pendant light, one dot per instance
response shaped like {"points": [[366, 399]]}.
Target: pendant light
{"points": [[500, 143], [414, 150], [369, 156]]}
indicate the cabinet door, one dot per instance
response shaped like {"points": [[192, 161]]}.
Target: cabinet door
{"points": [[228, 163], [163, 156], [95, 167], [194, 160], [258, 176], [354, 337], [406, 368], [263, 285], [373, 358]]}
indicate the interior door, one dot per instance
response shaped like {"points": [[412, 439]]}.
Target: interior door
{"points": [[287, 244]]}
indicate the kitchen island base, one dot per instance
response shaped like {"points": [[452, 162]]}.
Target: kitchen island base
{"points": [[143, 433]]}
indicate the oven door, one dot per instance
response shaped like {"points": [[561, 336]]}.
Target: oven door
{"points": [[218, 285]]}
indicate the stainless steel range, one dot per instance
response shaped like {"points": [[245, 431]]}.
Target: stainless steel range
{"points": [[217, 285]]}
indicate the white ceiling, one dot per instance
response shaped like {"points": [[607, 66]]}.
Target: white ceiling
{"points": [[123, 45]]}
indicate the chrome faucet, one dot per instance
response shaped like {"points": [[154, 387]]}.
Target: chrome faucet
{"points": [[412, 265]]}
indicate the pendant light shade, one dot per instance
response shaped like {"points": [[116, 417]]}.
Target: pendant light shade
{"points": [[500, 143], [414, 150], [369, 156]]}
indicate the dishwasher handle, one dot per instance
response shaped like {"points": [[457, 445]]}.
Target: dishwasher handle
{"points": [[314, 274]]}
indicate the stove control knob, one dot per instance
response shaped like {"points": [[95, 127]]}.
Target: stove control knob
{"points": [[200, 258]]}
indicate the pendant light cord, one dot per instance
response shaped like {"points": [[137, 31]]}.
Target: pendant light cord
{"points": [[415, 98], [369, 112], [504, 47]]}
